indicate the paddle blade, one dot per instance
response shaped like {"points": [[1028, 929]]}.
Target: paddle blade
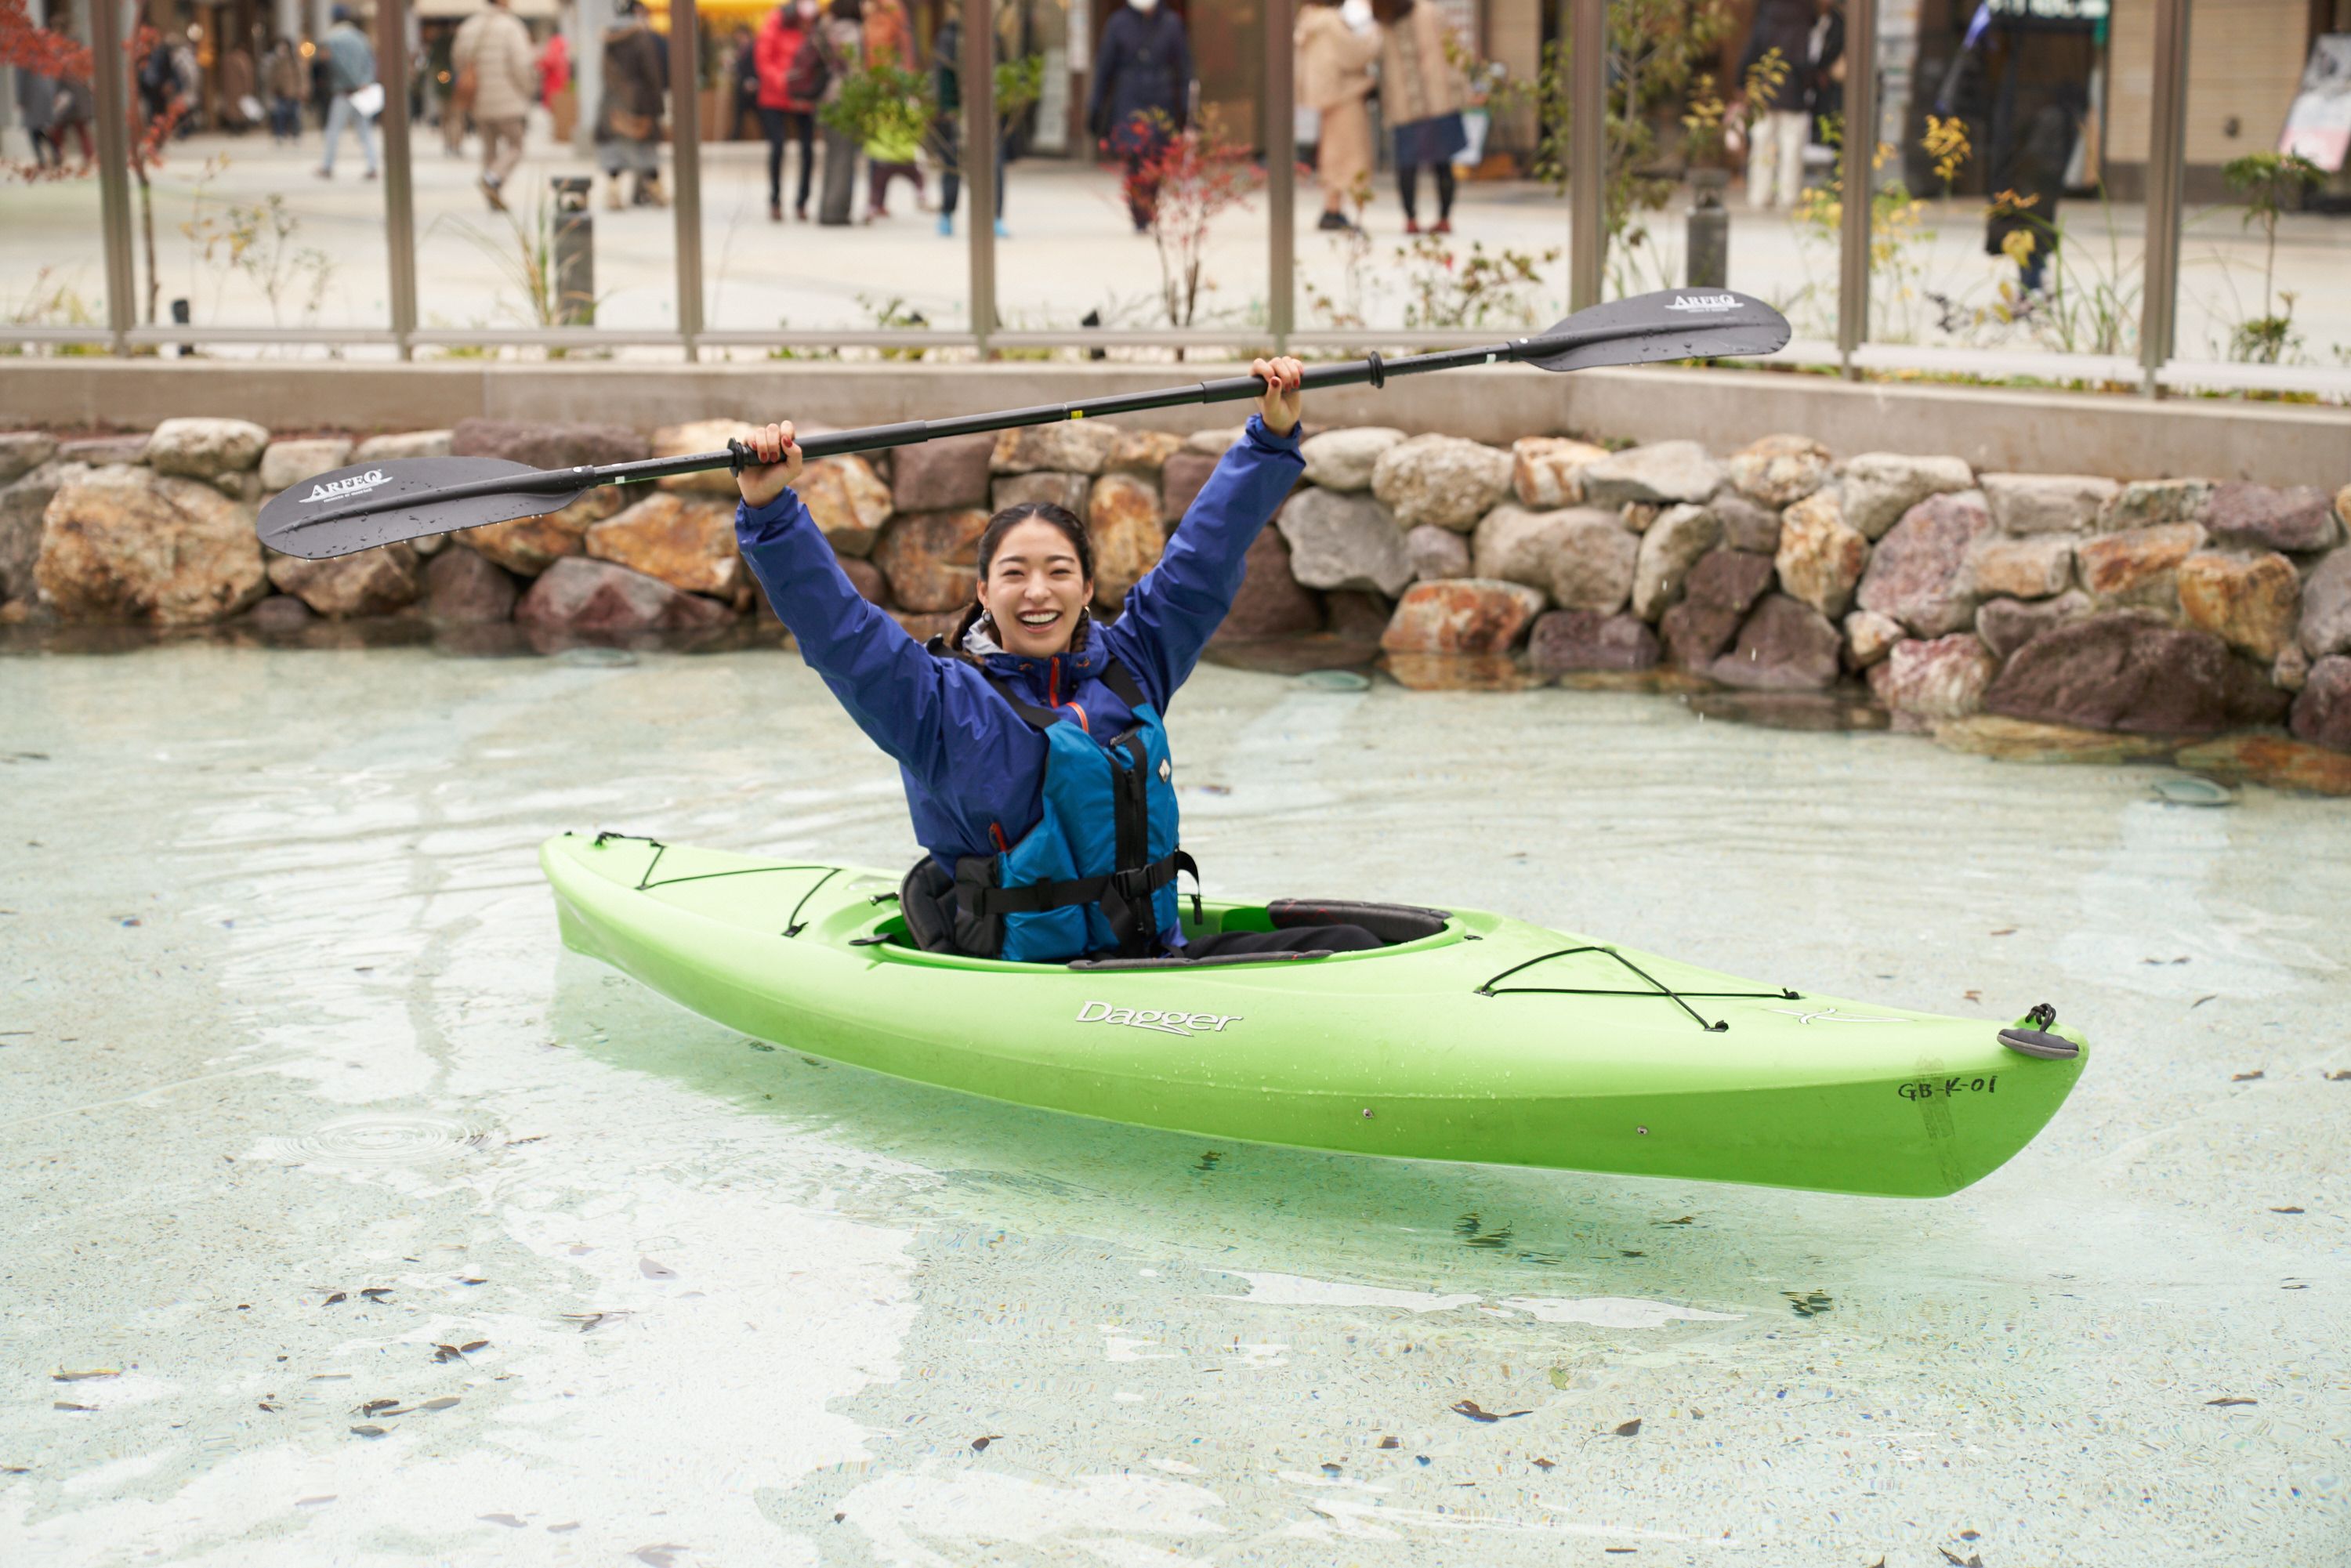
{"points": [[301, 518], [1671, 324]]}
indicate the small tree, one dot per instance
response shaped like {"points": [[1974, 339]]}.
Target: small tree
{"points": [[1189, 180], [889, 102], [2268, 180]]}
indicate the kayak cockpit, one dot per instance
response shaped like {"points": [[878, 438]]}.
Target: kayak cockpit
{"points": [[1397, 926]]}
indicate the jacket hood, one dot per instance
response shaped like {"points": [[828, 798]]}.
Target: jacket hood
{"points": [[1084, 659]]}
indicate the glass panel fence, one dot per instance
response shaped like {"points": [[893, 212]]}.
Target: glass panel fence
{"points": [[1135, 192], [2007, 223], [1717, 165], [52, 240], [546, 202], [1432, 188], [246, 213], [2265, 235], [2012, 143], [824, 156]]}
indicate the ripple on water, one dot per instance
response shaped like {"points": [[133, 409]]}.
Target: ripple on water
{"points": [[373, 1139]]}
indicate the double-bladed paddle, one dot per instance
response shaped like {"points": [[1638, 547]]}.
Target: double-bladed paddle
{"points": [[367, 505]]}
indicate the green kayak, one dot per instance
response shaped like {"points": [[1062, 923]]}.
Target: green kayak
{"points": [[1470, 1037]]}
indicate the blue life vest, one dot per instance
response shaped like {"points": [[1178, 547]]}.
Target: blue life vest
{"points": [[1097, 874]]}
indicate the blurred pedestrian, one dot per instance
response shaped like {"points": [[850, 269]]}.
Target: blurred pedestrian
{"points": [[839, 45], [492, 57], [554, 66], [889, 36], [893, 140], [351, 67], [240, 109], [783, 116], [36, 109], [77, 107], [946, 132], [1142, 94], [452, 95], [628, 126], [1780, 46], [281, 78], [159, 83], [1421, 93], [1824, 68], [2034, 88], [191, 76], [743, 83], [322, 82], [1336, 44]]}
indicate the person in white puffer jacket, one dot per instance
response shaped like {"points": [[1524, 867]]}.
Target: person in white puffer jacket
{"points": [[492, 56]]}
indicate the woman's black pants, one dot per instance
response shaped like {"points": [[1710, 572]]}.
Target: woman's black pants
{"points": [[780, 125], [1408, 188]]}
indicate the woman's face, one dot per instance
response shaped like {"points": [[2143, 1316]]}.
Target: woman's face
{"points": [[1034, 591]]}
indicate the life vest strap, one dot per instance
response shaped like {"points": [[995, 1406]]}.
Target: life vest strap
{"points": [[1125, 897], [985, 900]]}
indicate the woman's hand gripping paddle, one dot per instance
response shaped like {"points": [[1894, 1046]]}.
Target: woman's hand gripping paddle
{"points": [[367, 504]]}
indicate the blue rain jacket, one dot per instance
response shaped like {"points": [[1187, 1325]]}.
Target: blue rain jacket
{"points": [[973, 768]]}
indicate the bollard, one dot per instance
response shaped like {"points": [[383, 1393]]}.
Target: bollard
{"points": [[575, 251], [1708, 241]]}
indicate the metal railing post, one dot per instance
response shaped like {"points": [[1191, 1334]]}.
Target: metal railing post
{"points": [[685, 163], [1280, 174], [2166, 159], [1587, 156], [981, 139], [1860, 166], [108, 87], [399, 197]]}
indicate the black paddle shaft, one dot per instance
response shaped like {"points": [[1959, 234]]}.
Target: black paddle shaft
{"points": [[1371, 369], [406, 502]]}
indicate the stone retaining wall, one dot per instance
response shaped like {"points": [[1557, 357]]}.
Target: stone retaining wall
{"points": [[2173, 607]]}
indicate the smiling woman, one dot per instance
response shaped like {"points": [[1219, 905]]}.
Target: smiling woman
{"points": [[1036, 763], [1037, 565]]}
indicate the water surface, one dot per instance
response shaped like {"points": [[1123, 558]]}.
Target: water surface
{"points": [[286, 1020]]}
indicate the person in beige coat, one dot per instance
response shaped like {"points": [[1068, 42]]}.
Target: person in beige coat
{"points": [[1421, 95], [1335, 77], [493, 51]]}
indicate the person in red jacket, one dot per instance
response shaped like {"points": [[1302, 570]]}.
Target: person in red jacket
{"points": [[554, 70], [781, 116]]}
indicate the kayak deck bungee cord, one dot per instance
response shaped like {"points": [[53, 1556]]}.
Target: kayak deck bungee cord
{"points": [[1470, 1037]]}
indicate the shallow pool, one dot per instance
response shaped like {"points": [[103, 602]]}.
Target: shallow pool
{"points": [[394, 1233]]}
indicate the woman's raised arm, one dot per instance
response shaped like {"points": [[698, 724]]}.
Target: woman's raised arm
{"points": [[1170, 615], [889, 684]]}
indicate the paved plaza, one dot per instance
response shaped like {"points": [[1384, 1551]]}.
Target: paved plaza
{"points": [[1070, 252]]}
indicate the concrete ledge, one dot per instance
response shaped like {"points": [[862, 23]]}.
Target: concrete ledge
{"points": [[1992, 428]]}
